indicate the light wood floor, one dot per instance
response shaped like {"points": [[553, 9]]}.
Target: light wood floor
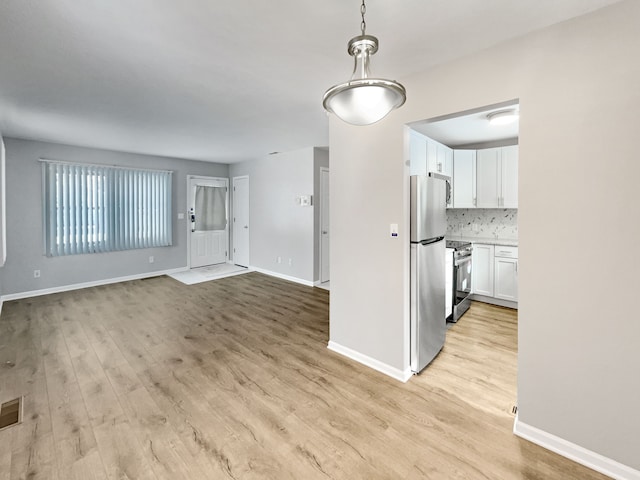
{"points": [[231, 379]]}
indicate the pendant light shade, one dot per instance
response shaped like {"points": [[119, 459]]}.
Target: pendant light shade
{"points": [[363, 100]]}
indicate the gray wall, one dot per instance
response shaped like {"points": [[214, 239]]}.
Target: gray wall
{"points": [[577, 84], [24, 219], [278, 226]]}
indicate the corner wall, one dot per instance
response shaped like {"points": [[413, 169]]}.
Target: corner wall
{"points": [[577, 84], [25, 248], [278, 225]]}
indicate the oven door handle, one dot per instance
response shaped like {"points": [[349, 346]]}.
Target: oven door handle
{"points": [[460, 261]]}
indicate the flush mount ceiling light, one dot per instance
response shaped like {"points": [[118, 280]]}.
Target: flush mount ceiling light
{"points": [[503, 117], [363, 100]]}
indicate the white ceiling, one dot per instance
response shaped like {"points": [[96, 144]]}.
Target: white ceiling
{"points": [[220, 80], [469, 128]]}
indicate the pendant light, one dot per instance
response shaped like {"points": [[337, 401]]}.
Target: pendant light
{"points": [[363, 100]]}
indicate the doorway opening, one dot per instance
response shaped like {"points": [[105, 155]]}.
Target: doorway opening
{"points": [[324, 229], [481, 159], [241, 226]]}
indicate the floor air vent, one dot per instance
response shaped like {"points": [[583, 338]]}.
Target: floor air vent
{"points": [[10, 413]]}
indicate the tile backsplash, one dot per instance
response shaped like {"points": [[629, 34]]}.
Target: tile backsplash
{"points": [[489, 222]]}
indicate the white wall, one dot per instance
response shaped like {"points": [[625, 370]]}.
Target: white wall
{"points": [[279, 227], [579, 336], [25, 247]]}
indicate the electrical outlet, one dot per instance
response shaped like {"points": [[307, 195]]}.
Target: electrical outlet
{"points": [[151, 259], [278, 259], [36, 274]]}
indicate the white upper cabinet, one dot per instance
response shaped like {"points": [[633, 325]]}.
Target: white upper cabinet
{"points": [[427, 155], [432, 155], [510, 177], [488, 173], [418, 153], [464, 174], [497, 177], [444, 159]]}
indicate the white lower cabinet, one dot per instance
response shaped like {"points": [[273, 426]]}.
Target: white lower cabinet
{"points": [[506, 273], [506, 279], [482, 269], [495, 271]]}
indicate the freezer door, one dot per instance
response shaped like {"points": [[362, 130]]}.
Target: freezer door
{"points": [[428, 323], [428, 207]]}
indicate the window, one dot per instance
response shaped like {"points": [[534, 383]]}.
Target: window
{"points": [[94, 208]]}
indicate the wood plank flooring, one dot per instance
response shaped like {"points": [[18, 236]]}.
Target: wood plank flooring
{"points": [[231, 379]]}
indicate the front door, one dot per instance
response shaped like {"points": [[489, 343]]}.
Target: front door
{"points": [[208, 220]]}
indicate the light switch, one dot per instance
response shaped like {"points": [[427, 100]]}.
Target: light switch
{"points": [[394, 230], [304, 200]]}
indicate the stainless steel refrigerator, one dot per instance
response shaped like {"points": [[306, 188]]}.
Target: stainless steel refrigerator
{"points": [[428, 225]]}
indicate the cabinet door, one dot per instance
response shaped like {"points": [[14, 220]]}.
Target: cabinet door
{"points": [[506, 278], [445, 166], [448, 161], [418, 154], [464, 178], [441, 158], [432, 155], [488, 177], [510, 177], [482, 270]]}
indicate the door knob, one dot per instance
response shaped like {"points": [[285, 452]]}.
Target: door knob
{"points": [[246, 226]]}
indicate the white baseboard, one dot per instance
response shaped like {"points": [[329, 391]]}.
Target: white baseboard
{"points": [[308, 283], [381, 367], [495, 301], [578, 454], [97, 283]]}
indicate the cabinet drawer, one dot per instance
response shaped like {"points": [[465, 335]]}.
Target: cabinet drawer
{"points": [[506, 252]]}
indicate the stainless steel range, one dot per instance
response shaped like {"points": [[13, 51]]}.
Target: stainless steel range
{"points": [[462, 254]]}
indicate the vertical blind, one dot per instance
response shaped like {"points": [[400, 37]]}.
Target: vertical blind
{"points": [[94, 208]]}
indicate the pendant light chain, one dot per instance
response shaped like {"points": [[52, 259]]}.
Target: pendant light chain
{"points": [[363, 10]]}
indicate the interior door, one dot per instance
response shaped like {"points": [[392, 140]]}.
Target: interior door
{"points": [[324, 225], [208, 220], [241, 221]]}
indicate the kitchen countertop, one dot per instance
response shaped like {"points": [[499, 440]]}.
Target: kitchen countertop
{"points": [[508, 242]]}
